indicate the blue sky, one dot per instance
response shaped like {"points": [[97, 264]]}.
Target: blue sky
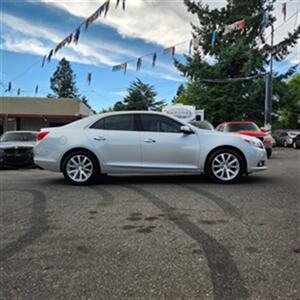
{"points": [[29, 29]]}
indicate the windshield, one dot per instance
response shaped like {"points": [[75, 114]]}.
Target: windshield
{"points": [[203, 125], [19, 137], [242, 127]]}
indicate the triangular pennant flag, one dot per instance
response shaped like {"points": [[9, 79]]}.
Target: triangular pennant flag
{"points": [[76, 36], [36, 89], [70, 38], [240, 24], [89, 78], [139, 64], [170, 50], [9, 87], [19, 92], [213, 38], [123, 4], [283, 10], [264, 19], [44, 60], [154, 59], [117, 3], [190, 47], [106, 7], [50, 55], [120, 67]]}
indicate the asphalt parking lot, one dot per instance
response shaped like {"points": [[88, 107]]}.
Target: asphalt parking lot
{"points": [[174, 237]]}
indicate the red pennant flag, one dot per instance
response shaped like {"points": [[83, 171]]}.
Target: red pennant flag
{"points": [[89, 78], [240, 24], [283, 10], [36, 89]]}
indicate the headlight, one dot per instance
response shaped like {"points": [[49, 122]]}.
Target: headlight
{"points": [[254, 142]]}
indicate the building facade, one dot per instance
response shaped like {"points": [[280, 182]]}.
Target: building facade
{"points": [[31, 113]]}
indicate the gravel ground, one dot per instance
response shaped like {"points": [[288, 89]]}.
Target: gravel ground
{"points": [[174, 237]]}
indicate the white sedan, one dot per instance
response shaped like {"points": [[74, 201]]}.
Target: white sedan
{"points": [[145, 142]]}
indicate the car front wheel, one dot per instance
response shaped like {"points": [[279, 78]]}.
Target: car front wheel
{"points": [[80, 168], [225, 166]]}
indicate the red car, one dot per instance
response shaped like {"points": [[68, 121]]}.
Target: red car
{"points": [[248, 128]]}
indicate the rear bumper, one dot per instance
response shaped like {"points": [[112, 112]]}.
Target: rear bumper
{"points": [[16, 160], [47, 164]]}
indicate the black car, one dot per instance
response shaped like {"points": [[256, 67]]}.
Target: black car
{"points": [[16, 148]]}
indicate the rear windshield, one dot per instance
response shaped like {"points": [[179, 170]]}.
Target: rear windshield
{"points": [[242, 127], [19, 137]]}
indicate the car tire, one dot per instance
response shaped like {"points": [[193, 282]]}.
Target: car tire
{"points": [[269, 153], [220, 171], [295, 145], [80, 168], [285, 145]]}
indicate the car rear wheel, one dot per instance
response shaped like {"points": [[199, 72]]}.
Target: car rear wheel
{"points": [[295, 145], [225, 166], [80, 168], [285, 144]]}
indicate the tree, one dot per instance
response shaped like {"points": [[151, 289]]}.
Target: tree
{"points": [[62, 83], [141, 96], [215, 85], [289, 112]]}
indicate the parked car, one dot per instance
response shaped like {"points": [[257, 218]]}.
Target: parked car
{"points": [[251, 129], [285, 138], [203, 125], [145, 142], [16, 148]]}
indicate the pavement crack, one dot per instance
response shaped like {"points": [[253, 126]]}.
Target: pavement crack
{"points": [[226, 279], [38, 225]]}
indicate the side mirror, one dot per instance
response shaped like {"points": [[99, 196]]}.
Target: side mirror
{"points": [[186, 130], [263, 129]]}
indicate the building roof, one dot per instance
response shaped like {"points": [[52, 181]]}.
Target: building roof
{"points": [[43, 106]]}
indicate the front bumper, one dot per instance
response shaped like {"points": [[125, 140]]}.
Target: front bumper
{"points": [[16, 160], [256, 160]]}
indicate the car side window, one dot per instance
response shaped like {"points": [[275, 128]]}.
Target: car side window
{"points": [[119, 122], [154, 123]]}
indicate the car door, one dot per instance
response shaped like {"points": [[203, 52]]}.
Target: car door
{"points": [[116, 142], [165, 147]]}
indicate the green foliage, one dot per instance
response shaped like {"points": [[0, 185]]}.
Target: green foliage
{"points": [[140, 96], [289, 113], [62, 83], [236, 54]]}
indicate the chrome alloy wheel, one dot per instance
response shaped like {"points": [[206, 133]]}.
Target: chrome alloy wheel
{"points": [[79, 168], [226, 166]]}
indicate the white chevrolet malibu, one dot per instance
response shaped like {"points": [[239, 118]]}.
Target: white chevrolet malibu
{"points": [[145, 142]]}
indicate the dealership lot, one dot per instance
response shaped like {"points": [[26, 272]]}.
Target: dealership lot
{"points": [[174, 237]]}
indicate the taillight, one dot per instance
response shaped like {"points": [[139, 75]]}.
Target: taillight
{"points": [[42, 134]]}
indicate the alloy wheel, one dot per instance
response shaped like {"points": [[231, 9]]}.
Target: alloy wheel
{"points": [[226, 166], [79, 168]]}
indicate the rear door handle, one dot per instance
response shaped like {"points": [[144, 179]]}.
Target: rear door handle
{"points": [[99, 138], [149, 141]]}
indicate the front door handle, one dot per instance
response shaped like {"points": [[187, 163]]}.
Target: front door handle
{"points": [[99, 138], [149, 141]]}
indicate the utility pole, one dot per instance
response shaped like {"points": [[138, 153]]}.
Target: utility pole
{"points": [[269, 86]]}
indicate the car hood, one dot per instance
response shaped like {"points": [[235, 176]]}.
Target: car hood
{"points": [[221, 133], [253, 133], [7, 145]]}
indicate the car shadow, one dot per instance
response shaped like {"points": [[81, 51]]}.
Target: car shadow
{"points": [[161, 180]]}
